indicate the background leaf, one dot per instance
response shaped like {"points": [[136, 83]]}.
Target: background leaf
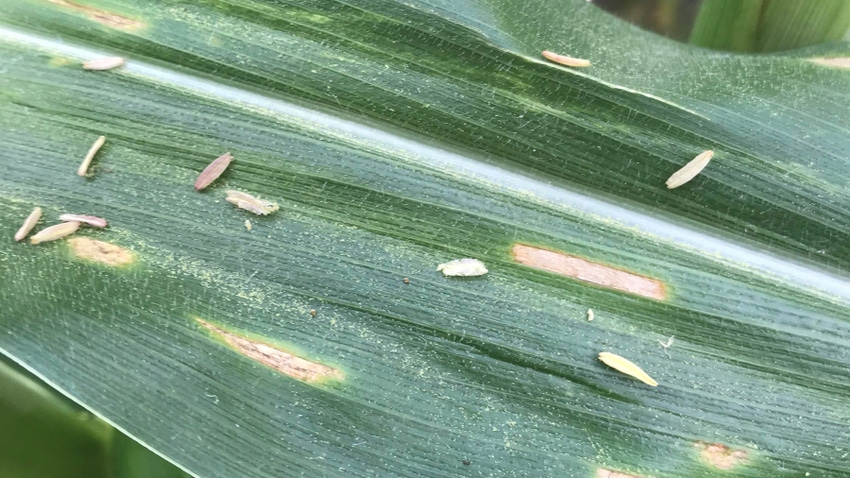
{"points": [[769, 25]]}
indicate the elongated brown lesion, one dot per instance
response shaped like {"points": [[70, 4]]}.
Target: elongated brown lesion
{"points": [[592, 272], [103, 17], [835, 62], [270, 356], [719, 455], [99, 251]]}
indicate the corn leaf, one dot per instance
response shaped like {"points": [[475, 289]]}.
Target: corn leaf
{"points": [[396, 137]]}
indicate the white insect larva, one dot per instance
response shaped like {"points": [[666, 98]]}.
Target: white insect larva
{"points": [[92, 221], [248, 225], [622, 365], [29, 223], [250, 203], [84, 166], [690, 170], [213, 171], [565, 60], [589, 315], [463, 268], [55, 232], [106, 63]]}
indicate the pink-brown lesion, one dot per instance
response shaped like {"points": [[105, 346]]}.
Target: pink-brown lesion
{"points": [[270, 356], [103, 17], [592, 272], [719, 455], [99, 251]]}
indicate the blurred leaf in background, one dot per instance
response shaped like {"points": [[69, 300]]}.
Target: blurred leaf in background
{"points": [[45, 435], [765, 26], [671, 18]]}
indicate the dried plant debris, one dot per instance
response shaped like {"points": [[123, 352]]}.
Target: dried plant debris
{"points": [[213, 171], [106, 63], [92, 221], [565, 60], [29, 223], [622, 365], [463, 268], [250, 203], [84, 166], [690, 170], [57, 231]]}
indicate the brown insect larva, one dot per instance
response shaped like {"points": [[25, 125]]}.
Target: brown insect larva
{"points": [[106, 63], [690, 170], [565, 60], [213, 171], [93, 221], [57, 231], [84, 166], [29, 223], [622, 365]]}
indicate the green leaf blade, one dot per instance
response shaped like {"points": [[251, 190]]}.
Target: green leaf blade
{"points": [[500, 370]]}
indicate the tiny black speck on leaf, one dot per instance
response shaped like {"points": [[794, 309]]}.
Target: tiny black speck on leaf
{"points": [[466, 462]]}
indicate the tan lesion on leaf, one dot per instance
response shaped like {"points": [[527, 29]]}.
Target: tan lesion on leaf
{"points": [[61, 61], [604, 473], [719, 455], [836, 62], [587, 271], [270, 356], [109, 19], [99, 251]]}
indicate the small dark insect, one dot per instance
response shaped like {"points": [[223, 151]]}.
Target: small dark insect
{"points": [[406, 280], [466, 462], [313, 312]]}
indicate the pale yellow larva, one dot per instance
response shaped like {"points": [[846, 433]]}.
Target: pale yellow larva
{"points": [[565, 60], [690, 170], [250, 203], [84, 166], [57, 231], [106, 63], [622, 365], [463, 268], [29, 223]]}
